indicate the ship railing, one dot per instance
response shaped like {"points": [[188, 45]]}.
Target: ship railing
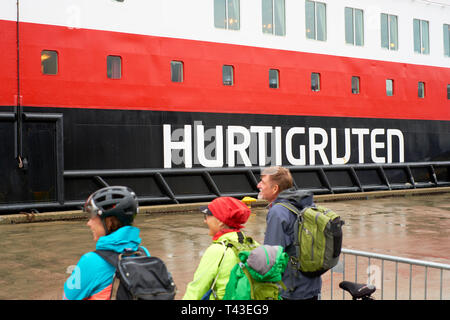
{"points": [[395, 278], [207, 183], [184, 185]]}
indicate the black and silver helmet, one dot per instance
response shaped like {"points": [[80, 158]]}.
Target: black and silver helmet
{"points": [[118, 201]]}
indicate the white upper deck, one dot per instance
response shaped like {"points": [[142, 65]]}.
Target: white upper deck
{"points": [[195, 20]]}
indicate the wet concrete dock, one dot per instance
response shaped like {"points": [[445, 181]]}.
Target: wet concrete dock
{"points": [[35, 256]]}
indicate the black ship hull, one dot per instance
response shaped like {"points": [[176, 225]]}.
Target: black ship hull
{"points": [[171, 157]]}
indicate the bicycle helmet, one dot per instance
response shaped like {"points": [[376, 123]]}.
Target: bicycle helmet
{"points": [[118, 201]]}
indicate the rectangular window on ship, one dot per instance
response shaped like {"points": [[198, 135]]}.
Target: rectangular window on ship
{"points": [[315, 82], [316, 20], [421, 89], [227, 75], [421, 36], [227, 14], [274, 79], [176, 71], [389, 31], [447, 40], [49, 62], [354, 26], [114, 67], [273, 17], [389, 87]]}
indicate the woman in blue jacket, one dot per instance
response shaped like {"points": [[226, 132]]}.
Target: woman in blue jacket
{"points": [[112, 211]]}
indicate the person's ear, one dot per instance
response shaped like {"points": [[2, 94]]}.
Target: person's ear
{"points": [[275, 188]]}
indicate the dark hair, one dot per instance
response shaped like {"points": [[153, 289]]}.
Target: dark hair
{"points": [[113, 224]]}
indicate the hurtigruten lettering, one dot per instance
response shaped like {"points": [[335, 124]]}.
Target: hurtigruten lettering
{"points": [[220, 146]]}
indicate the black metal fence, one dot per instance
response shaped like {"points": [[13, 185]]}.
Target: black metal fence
{"points": [[173, 186]]}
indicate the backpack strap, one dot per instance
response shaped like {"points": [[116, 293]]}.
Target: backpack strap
{"points": [[110, 256], [240, 237], [211, 289], [293, 208], [235, 245], [113, 257], [229, 244]]}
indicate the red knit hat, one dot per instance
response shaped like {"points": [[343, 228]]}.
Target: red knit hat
{"points": [[233, 212]]}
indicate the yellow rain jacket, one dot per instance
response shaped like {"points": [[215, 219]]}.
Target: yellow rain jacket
{"points": [[209, 267]]}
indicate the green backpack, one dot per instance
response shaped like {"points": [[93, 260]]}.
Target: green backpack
{"points": [[258, 274], [318, 231]]}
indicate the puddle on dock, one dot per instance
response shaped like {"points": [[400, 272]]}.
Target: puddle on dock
{"points": [[35, 257]]}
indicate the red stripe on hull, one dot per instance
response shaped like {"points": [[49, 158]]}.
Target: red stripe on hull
{"points": [[145, 84], [8, 63]]}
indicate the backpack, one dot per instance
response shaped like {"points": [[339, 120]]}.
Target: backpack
{"points": [[258, 274], [318, 234], [141, 277]]}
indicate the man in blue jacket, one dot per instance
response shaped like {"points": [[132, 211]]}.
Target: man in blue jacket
{"points": [[275, 186], [112, 211]]}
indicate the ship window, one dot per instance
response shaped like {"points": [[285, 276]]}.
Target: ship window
{"points": [[176, 71], [274, 17], [114, 67], [389, 87], [315, 81], [274, 78], [389, 32], [421, 89], [49, 62], [448, 91], [447, 40], [355, 85], [354, 26], [227, 75], [226, 14], [421, 36], [316, 20]]}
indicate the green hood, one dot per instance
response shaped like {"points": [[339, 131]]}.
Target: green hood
{"points": [[265, 263], [265, 266]]}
